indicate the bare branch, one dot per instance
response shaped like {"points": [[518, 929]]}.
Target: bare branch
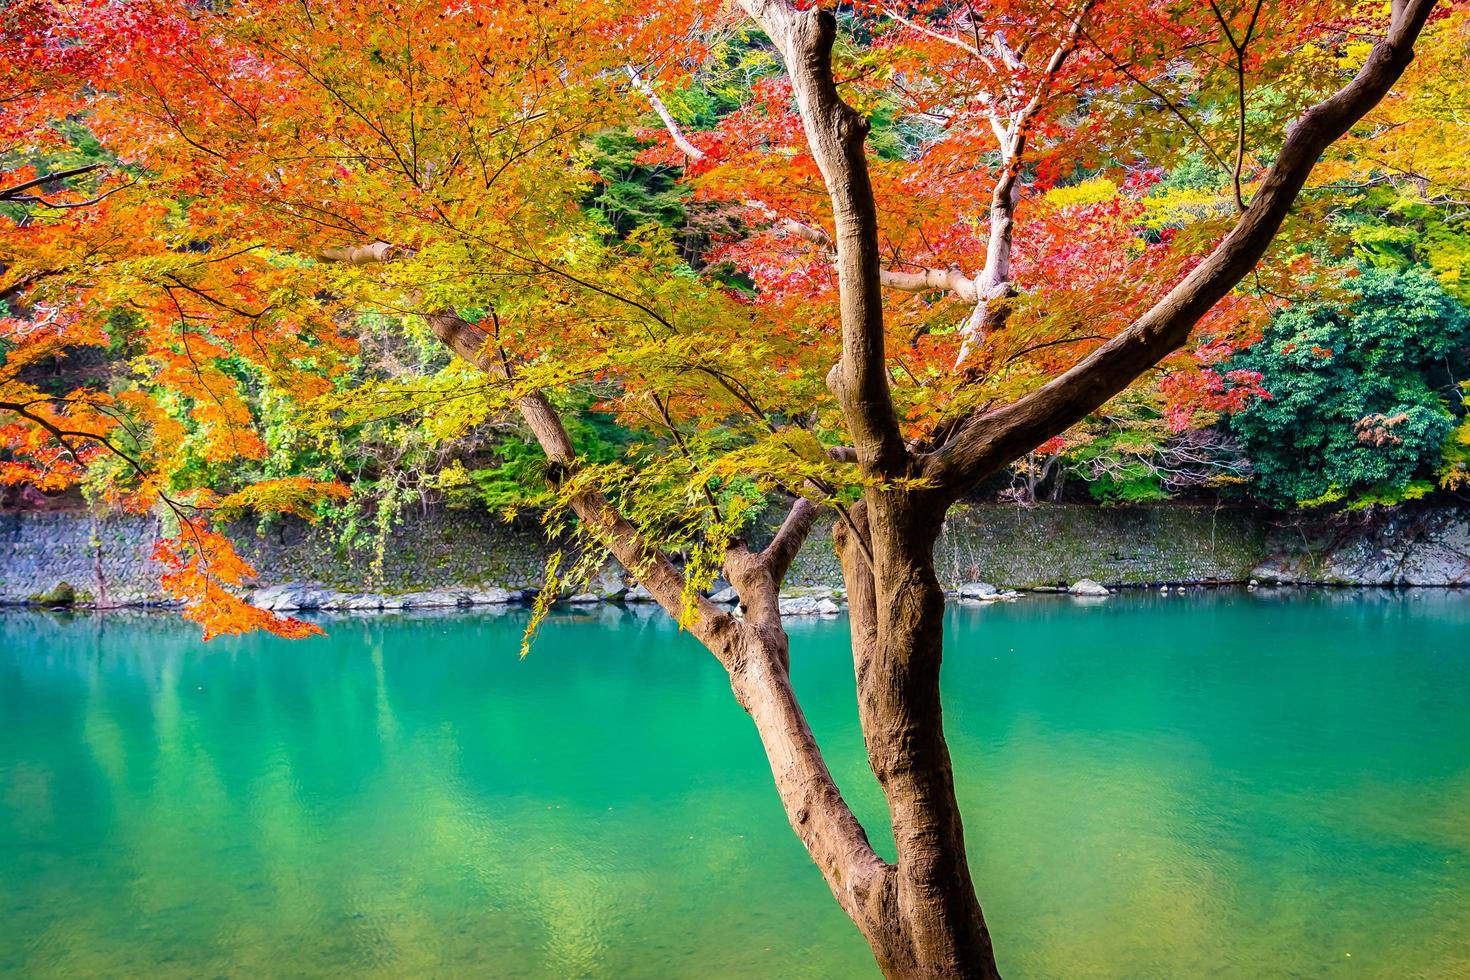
{"points": [[670, 123], [928, 279], [365, 254], [10, 193]]}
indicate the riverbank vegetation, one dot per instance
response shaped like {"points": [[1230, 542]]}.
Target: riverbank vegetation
{"points": [[646, 268]]}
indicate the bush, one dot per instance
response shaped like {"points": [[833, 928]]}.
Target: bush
{"points": [[1360, 397]]}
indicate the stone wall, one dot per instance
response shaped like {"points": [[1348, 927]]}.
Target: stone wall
{"points": [[39, 550], [1002, 544], [1409, 545], [1056, 544], [453, 548]]}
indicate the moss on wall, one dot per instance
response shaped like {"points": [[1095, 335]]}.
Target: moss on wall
{"points": [[1004, 545]]}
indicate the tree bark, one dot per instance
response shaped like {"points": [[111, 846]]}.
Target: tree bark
{"points": [[897, 619]]}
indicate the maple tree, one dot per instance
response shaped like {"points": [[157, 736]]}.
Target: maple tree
{"points": [[946, 222]]}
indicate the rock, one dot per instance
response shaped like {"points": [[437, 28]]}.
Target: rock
{"points": [[806, 605], [1087, 587], [59, 596], [292, 595], [271, 597], [1410, 545], [979, 590], [490, 597], [583, 598], [430, 599], [360, 601], [1273, 572], [726, 596], [609, 583], [638, 594]]}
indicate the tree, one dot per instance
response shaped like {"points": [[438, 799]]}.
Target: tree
{"points": [[298, 164], [1359, 397]]}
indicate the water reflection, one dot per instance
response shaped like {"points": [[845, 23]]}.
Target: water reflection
{"points": [[1217, 784]]}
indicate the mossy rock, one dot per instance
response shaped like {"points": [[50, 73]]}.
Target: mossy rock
{"points": [[61, 595]]}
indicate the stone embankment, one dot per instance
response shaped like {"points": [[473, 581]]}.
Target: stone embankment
{"points": [[986, 553]]}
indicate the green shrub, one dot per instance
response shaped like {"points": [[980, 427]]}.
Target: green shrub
{"points": [[1360, 402]]}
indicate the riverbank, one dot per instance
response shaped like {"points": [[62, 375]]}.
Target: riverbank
{"points": [[458, 558]]}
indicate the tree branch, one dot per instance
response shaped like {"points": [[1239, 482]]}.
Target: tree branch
{"points": [[986, 442], [754, 653], [836, 134], [10, 193], [911, 282], [650, 565], [670, 123], [782, 549]]}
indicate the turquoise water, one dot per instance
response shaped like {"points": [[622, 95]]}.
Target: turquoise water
{"points": [[1218, 785]]}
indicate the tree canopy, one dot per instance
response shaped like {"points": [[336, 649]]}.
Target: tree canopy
{"points": [[256, 211]]}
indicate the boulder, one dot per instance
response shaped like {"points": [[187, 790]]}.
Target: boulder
{"points": [[583, 598], [609, 583], [358, 601], [1087, 587], [292, 595], [979, 590], [806, 605], [59, 596], [1409, 545], [490, 597], [638, 594], [725, 597]]}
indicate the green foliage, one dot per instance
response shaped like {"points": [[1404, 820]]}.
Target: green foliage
{"points": [[1396, 229], [632, 194], [1358, 396], [517, 478], [1116, 465], [1194, 172], [1454, 465]]}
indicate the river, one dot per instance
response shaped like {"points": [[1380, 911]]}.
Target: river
{"points": [[1218, 784]]}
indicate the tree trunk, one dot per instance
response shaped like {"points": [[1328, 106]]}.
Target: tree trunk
{"points": [[936, 927]]}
